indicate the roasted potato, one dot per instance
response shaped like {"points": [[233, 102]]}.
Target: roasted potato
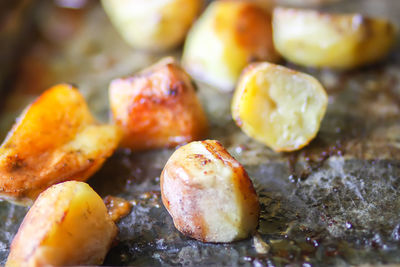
{"points": [[54, 140], [338, 41], [153, 24], [157, 108], [67, 225], [279, 107], [227, 36], [209, 194]]}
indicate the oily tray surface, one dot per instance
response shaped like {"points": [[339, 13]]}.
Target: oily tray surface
{"points": [[335, 201]]}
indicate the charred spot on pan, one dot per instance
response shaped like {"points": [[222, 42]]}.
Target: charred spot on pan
{"points": [[313, 159]]}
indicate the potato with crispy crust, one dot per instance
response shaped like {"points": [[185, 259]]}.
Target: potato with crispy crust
{"points": [[279, 107], [227, 36], [67, 225], [153, 24], [54, 140], [157, 107], [209, 194], [339, 41]]}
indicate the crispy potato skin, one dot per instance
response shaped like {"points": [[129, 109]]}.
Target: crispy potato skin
{"points": [[209, 194], [153, 25], [227, 36], [338, 41], [54, 140], [278, 107], [157, 108], [67, 225]]}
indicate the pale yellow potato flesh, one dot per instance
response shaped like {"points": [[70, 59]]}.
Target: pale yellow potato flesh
{"points": [[338, 41], [226, 37], [279, 107], [155, 25], [54, 140], [209, 194], [157, 107], [67, 225]]}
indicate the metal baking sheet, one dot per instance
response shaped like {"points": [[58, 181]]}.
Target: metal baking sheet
{"points": [[335, 202]]}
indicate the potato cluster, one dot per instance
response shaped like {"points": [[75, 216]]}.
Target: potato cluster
{"points": [[56, 143]]}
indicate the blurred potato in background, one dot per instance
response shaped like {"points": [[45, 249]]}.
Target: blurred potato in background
{"points": [[227, 36], [155, 25], [338, 41]]}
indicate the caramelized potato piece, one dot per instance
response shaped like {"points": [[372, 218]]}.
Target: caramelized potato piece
{"points": [[209, 194], [339, 41], [226, 37], [153, 24], [157, 108], [54, 140], [279, 107], [67, 225]]}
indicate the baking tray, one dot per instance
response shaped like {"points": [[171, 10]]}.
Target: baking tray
{"points": [[335, 202]]}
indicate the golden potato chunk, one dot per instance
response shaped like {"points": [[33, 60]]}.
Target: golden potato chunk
{"points": [[67, 225], [157, 108], [54, 140], [209, 194], [339, 41], [227, 36], [279, 107], [153, 24]]}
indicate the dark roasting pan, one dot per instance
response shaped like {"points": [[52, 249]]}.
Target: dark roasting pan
{"points": [[335, 202]]}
